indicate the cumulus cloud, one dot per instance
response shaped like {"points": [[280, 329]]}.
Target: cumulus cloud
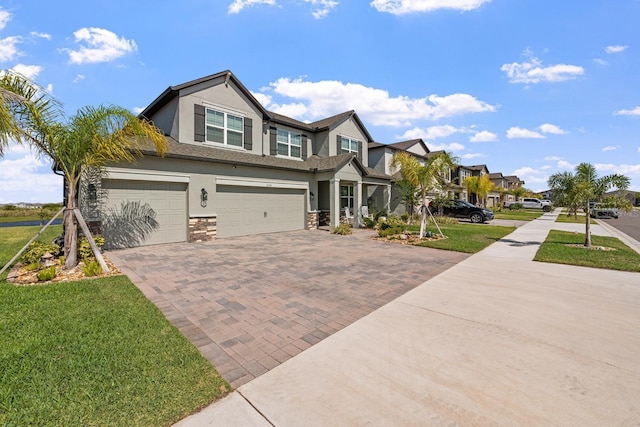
{"points": [[238, 5], [451, 147], [78, 78], [624, 169], [631, 112], [29, 179], [610, 148], [28, 71], [516, 132], [531, 70], [600, 61], [40, 35], [5, 17], [552, 158], [615, 48], [549, 128], [483, 136], [8, 48], [325, 98], [137, 110], [471, 156], [402, 7], [99, 45], [531, 175], [321, 7]]}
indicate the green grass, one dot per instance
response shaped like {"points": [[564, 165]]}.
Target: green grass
{"points": [[563, 217], [468, 238], [12, 239], [519, 215], [20, 218], [95, 353], [555, 250]]}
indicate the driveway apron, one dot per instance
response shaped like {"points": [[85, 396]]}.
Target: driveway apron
{"points": [[250, 303]]}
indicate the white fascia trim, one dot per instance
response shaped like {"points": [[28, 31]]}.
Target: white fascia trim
{"points": [[253, 182], [142, 175], [224, 109]]}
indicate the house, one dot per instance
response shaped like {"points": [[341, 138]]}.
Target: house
{"points": [[500, 194], [632, 196], [233, 168]]}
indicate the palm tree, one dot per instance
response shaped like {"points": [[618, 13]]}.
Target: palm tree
{"points": [[583, 187], [481, 186], [90, 140], [427, 178]]}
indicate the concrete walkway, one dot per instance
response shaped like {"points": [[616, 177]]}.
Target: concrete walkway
{"points": [[495, 340]]}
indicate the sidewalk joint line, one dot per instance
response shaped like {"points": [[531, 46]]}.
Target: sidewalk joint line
{"points": [[256, 409]]}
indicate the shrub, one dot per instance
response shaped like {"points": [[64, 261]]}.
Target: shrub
{"points": [[33, 266], [369, 222], [404, 217], [10, 207], [390, 230], [342, 229], [34, 252], [91, 268], [516, 206], [47, 274], [84, 249]]}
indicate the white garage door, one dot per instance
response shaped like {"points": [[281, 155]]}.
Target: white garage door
{"points": [[253, 210], [126, 220]]}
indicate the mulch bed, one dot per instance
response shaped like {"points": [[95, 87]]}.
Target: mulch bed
{"points": [[20, 276]]}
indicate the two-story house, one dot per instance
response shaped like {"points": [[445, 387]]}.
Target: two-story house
{"points": [[233, 168]]}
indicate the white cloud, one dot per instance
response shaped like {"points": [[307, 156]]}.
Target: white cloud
{"points": [[532, 71], [238, 5], [401, 7], [8, 49], [516, 132], [99, 45], [137, 110], [632, 112], [322, 7], [563, 164], [40, 35], [483, 136], [471, 155], [28, 71], [453, 146], [531, 176], [624, 169], [5, 17], [549, 128], [552, 158], [610, 148], [28, 179], [431, 133], [325, 98], [600, 61], [78, 78], [615, 48], [49, 88]]}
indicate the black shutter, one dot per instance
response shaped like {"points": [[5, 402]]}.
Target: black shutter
{"points": [[359, 150], [273, 141], [339, 146], [304, 147], [198, 125], [248, 134]]}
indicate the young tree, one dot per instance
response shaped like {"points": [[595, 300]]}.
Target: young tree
{"points": [[480, 186], [427, 178], [409, 196], [93, 138], [585, 186]]}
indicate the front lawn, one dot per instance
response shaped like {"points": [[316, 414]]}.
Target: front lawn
{"points": [[570, 218], [12, 239], [96, 352], [555, 249], [468, 238], [519, 215]]}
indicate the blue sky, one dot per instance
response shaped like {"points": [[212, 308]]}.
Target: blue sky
{"points": [[526, 87]]}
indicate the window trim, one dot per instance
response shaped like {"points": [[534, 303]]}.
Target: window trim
{"points": [[225, 128], [288, 144], [351, 141], [350, 197]]}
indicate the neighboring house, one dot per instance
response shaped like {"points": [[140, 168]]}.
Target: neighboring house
{"points": [[514, 182], [632, 196], [380, 158], [500, 194], [233, 168]]}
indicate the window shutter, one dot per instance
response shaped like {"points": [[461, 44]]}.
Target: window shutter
{"points": [[248, 134], [272, 141], [198, 125], [304, 147], [339, 149], [359, 150]]}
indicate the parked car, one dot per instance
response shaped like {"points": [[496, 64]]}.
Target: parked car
{"points": [[465, 210], [599, 210], [530, 203]]}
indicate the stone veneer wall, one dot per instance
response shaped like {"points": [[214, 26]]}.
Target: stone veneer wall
{"points": [[324, 218], [312, 220], [203, 229]]}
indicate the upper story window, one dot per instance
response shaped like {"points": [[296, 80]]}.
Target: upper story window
{"points": [[349, 145], [224, 128], [289, 144]]}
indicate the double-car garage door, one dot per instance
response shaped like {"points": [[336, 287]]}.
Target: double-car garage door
{"points": [[240, 211]]}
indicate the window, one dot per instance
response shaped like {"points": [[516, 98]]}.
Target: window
{"points": [[346, 197], [224, 128], [289, 144], [349, 145]]}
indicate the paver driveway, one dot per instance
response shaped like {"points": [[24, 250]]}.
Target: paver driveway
{"points": [[250, 303]]}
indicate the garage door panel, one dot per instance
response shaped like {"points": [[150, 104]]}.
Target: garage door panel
{"points": [[166, 199], [252, 210]]}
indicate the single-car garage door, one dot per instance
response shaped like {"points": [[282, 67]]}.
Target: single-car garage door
{"points": [[252, 210], [126, 219]]}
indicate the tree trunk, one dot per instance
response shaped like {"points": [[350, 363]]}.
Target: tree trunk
{"points": [[423, 212], [70, 229], [587, 231]]}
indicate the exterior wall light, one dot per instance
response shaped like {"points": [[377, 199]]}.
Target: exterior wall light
{"points": [[204, 196]]}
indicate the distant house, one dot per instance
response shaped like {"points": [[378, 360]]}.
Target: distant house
{"points": [[632, 196]]}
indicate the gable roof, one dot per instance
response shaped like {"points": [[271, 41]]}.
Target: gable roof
{"points": [[405, 145], [173, 91], [496, 175], [333, 122], [478, 168]]}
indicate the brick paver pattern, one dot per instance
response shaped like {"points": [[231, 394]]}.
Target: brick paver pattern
{"points": [[250, 303]]}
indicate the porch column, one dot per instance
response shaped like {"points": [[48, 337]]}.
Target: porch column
{"points": [[388, 207], [334, 201], [357, 205]]}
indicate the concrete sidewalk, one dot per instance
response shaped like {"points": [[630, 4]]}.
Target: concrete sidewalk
{"points": [[495, 340]]}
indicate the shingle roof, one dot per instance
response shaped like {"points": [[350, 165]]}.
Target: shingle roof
{"points": [[405, 145], [289, 121], [495, 175]]}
